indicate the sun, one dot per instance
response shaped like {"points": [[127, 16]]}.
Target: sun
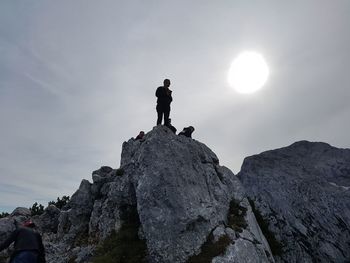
{"points": [[248, 72]]}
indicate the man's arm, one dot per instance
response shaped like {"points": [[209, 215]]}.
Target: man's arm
{"points": [[158, 91], [171, 98], [9, 240]]}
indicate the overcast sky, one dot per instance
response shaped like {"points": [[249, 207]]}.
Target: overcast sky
{"points": [[77, 78]]}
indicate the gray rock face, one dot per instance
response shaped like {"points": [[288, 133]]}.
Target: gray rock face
{"points": [[108, 211], [9, 224], [48, 221], [302, 193], [182, 198], [182, 193], [21, 211], [73, 222]]}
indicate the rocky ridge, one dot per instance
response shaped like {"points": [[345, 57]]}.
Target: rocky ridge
{"points": [[301, 198], [170, 201]]}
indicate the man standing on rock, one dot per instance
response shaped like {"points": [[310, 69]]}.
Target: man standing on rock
{"points": [[29, 247], [164, 99]]}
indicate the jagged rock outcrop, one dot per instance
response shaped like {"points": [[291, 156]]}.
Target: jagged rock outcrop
{"points": [[21, 212], [9, 224], [182, 195], [171, 201], [301, 196], [17, 217], [48, 221], [171, 196]]}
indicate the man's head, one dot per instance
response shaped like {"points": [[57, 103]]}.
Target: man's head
{"points": [[166, 82]]}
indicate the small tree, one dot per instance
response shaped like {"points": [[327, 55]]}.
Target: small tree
{"points": [[4, 214], [36, 209], [61, 202]]}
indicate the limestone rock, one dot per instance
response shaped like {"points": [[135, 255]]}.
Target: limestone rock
{"points": [[7, 225], [48, 221], [169, 191], [73, 223], [182, 193], [107, 213], [21, 211], [302, 196]]}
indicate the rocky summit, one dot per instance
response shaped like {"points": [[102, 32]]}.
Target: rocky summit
{"points": [[169, 201], [301, 197]]}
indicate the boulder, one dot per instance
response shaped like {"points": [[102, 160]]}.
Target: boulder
{"points": [[21, 211], [48, 221], [73, 223], [301, 199], [170, 201], [7, 226], [182, 195]]}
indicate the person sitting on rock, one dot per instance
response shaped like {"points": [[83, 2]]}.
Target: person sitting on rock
{"points": [[187, 131], [28, 246], [140, 136], [164, 98]]}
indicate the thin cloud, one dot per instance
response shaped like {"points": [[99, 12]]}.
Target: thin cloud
{"points": [[45, 85], [73, 89]]}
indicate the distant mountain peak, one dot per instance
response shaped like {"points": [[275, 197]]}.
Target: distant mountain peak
{"points": [[302, 192]]}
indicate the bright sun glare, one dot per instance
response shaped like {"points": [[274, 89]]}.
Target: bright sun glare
{"points": [[248, 72]]}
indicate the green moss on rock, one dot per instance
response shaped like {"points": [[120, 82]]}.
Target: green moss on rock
{"points": [[82, 238], [275, 245], [236, 216], [119, 172], [123, 246], [4, 258], [72, 259], [211, 249]]}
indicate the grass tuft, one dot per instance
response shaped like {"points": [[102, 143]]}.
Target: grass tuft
{"points": [[123, 246], [119, 172], [236, 216], [211, 249]]}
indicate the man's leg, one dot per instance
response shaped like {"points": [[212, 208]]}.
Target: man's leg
{"points": [[26, 257], [160, 115], [166, 117]]}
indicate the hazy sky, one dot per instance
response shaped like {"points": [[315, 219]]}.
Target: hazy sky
{"points": [[77, 78]]}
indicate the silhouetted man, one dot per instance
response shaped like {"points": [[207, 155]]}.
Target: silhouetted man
{"points": [[163, 94], [29, 247]]}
